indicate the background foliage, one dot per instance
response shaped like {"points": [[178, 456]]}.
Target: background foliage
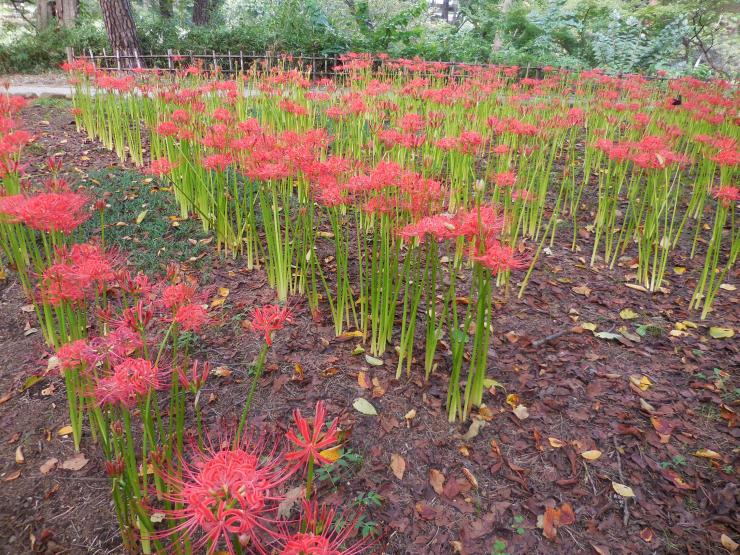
{"points": [[678, 36]]}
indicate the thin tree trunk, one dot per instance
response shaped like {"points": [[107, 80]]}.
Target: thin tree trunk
{"points": [[201, 12], [67, 12], [43, 14], [119, 23], [165, 8]]}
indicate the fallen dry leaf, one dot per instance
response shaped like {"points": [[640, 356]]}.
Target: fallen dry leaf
{"points": [[474, 429], [591, 455], [12, 476], [555, 442], [75, 462], [728, 543], [582, 290], [49, 465], [292, 496], [398, 465], [437, 481], [470, 478], [621, 489], [707, 454], [64, 431], [19, 458], [521, 412]]}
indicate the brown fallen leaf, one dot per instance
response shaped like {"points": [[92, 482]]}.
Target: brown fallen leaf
{"points": [[362, 380], [470, 478], [582, 290], [49, 465], [728, 543], [555, 442], [621, 489], [600, 549], [75, 462], [292, 496], [398, 465], [5, 398], [707, 454], [646, 534], [521, 412], [437, 481], [591, 455], [474, 429], [549, 527], [12, 476]]}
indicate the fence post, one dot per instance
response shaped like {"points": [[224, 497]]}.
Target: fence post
{"points": [[70, 54], [526, 73], [170, 63], [241, 61], [118, 59]]}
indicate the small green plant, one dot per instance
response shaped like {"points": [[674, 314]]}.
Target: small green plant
{"points": [[347, 463], [676, 462], [517, 525], [499, 548]]}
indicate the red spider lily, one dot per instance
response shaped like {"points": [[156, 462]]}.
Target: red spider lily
{"points": [[727, 195], [49, 212], [483, 220], [226, 493], [79, 270], [191, 317], [118, 345], [269, 318], [217, 162], [505, 179], [132, 378], [177, 295], [311, 440], [727, 158], [73, 355], [439, 226], [499, 258], [167, 129], [161, 166], [198, 377], [320, 535]]}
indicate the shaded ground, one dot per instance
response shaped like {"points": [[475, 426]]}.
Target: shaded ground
{"points": [[576, 388]]}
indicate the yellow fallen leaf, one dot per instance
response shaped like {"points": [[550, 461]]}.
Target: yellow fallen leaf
{"points": [[628, 314], [362, 380], [678, 270], [728, 543], [707, 454], [636, 287], [721, 333], [512, 399], [64, 431], [19, 458], [470, 478], [588, 326], [218, 301], [222, 372], [643, 382], [333, 454], [223, 292], [591, 455], [727, 287], [555, 442], [621, 489], [410, 415]]}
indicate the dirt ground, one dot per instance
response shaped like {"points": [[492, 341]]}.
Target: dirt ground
{"points": [[498, 477]]}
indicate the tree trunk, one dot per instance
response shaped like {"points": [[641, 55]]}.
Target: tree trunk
{"points": [[201, 12], [165, 8], [43, 14], [119, 23], [67, 12]]}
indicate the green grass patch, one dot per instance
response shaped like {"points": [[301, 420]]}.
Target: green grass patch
{"points": [[142, 221]]}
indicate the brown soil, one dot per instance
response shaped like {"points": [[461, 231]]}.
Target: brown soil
{"points": [[576, 388]]}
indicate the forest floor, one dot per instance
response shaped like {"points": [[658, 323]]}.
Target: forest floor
{"points": [[655, 409]]}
